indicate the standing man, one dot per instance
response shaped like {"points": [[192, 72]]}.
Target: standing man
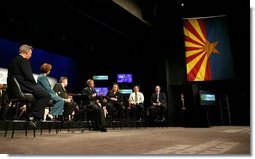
{"points": [[20, 68], [98, 114], [158, 104]]}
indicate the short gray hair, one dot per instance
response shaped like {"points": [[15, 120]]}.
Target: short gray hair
{"points": [[24, 48], [89, 80], [62, 78]]}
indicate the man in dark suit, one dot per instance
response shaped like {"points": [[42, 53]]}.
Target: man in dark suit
{"points": [[69, 105], [98, 114], [20, 68], [158, 104]]}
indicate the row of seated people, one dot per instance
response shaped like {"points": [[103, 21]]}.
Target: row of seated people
{"points": [[20, 68], [111, 102]]}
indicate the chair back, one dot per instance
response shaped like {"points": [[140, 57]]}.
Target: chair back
{"points": [[13, 89]]}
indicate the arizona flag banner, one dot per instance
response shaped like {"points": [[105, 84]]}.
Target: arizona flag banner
{"points": [[208, 55]]}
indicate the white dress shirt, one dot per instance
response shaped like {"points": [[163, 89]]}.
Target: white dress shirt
{"points": [[140, 98]]}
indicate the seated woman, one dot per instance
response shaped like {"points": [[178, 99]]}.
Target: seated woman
{"points": [[70, 106], [42, 80], [115, 101]]}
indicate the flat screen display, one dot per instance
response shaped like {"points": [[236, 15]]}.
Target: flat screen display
{"points": [[124, 78], [125, 91], [207, 97], [101, 91], [100, 77]]}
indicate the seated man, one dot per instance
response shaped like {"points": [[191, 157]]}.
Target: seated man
{"points": [[136, 100], [69, 105], [98, 114], [20, 68], [115, 101], [158, 104]]}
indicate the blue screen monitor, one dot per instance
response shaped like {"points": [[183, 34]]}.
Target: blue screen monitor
{"points": [[101, 91], [100, 77], [125, 91], [207, 98], [124, 78]]}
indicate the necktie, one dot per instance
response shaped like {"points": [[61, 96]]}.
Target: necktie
{"points": [[136, 98], [157, 97]]}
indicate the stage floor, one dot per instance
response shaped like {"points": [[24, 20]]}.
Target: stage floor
{"points": [[132, 141]]}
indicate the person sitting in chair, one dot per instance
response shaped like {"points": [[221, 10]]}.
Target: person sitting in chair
{"points": [[57, 109], [20, 68], [158, 104], [69, 105], [115, 101], [98, 114], [136, 100]]}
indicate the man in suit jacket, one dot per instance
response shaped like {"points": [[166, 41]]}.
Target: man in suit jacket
{"points": [[20, 68], [69, 105], [158, 102], [98, 114]]}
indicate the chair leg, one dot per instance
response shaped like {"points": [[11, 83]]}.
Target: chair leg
{"points": [[41, 127], [57, 127], [49, 127], [68, 126], [26, 123], [13, 129], [6, 128], [34, 131]]}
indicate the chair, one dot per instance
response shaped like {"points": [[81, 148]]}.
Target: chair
{"points": [[55, 123], [83, 102], [114, 120], [158, 122], [16, 95]]}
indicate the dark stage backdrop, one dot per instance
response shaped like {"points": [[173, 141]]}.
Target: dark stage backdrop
{"points": [[62, 65]]}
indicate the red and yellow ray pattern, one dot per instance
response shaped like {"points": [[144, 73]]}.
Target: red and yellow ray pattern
{"points": [[198, 50]]}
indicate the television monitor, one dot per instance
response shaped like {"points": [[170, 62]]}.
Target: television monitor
{"points": [[125, 91], [124, 78], [100, 77], [207, 98], [101, 91]]}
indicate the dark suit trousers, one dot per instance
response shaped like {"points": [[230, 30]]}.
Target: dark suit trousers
{"points": [[69, 107], [137, 111], [157, 111], [98, 116]]}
